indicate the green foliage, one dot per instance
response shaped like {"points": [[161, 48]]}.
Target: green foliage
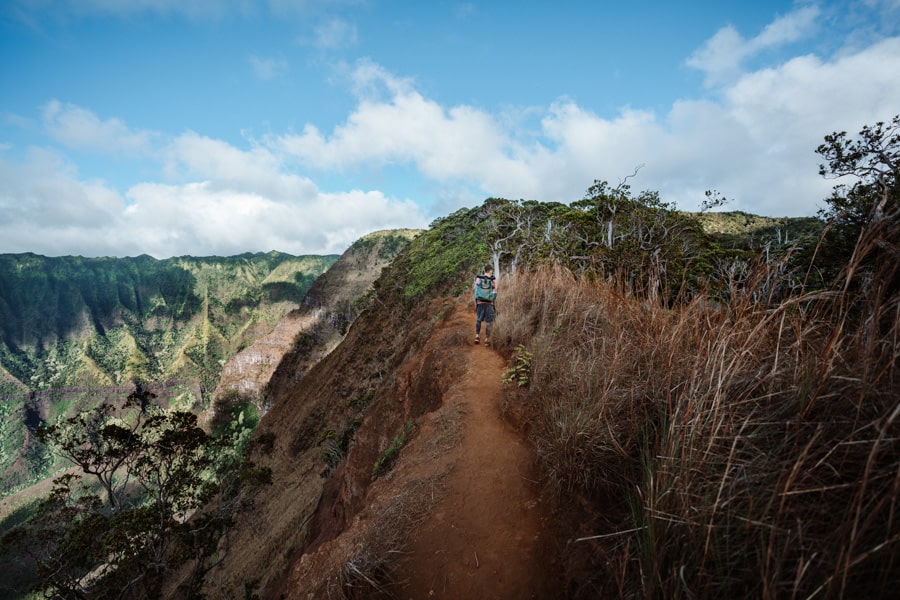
{"points": [[69, 325], [392, 243], [520, 371], [387, 459], [133, 318], [872, 160], [362, 400], [738, 230], [337, 444], [638, 239], [438, 258], [152, 470], [388, 243], [235, 418]]}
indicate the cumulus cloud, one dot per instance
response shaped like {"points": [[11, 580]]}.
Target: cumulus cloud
{"points": [[755, 144], [406, 127], [47, 208], [233, 201], [722, 56], [81, 129]]}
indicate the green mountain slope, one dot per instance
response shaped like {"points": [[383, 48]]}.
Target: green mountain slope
{"points": [[75, 330], [73, 321], [737, 229]]}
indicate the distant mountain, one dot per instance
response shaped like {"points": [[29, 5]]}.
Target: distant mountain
{"points": [[76, 330], [196, 331], [75, 322], [737, 229]]}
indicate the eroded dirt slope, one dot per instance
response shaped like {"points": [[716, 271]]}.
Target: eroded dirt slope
{"points": [[459, 516], [313, 329]]}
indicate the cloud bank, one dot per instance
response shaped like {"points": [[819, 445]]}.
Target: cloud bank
{"points": [[752, 136]]}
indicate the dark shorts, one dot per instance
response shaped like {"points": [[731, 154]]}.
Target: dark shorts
{"points": [[484, 312]]}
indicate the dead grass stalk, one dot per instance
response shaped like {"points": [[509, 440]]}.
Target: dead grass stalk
{"points": [[757, 443]]}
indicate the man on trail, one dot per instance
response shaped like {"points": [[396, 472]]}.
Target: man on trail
{"points": [[485, 294]]}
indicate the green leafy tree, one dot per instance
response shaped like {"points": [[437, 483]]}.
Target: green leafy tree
{"points": [[154, 473], [636, 236], [863, 214], [525, 231]]}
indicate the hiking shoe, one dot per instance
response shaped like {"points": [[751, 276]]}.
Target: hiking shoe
{"points": [[487, 342], [477, 340]]}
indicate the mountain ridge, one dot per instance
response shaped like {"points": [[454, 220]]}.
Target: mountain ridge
{"points": [[135, 328]]}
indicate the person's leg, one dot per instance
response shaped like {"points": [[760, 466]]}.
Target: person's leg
{"points": [[488, 323], [479, 317]]}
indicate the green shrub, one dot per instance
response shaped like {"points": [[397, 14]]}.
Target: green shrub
{"points": [[387, 459], [520, 371]]}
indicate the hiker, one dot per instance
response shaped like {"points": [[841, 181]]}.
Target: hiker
{"points": [[485, 294]]}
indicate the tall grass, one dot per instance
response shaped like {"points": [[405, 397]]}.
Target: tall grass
{"points": [[755, 446]]}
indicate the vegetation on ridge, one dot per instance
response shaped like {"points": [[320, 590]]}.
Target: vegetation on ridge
{"points": [[739, 448], [714, 419]]}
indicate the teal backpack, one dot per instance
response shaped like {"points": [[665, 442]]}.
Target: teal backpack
{"points": [[484, 291]]}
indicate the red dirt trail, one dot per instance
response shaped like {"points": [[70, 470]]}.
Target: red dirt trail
{"points": [[487, 537]]}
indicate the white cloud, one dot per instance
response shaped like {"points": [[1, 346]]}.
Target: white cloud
{"points": [[723, 54], [46, 208], [268, 68], [234, 201], [335, 33], [192, 9], [207, 217], [459, 142], [79, 128], [756, 144]]}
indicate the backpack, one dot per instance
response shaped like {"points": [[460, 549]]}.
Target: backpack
{"points": [[484, 291]]}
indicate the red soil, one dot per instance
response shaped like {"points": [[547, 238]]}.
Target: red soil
{"points": [[487, 537]]}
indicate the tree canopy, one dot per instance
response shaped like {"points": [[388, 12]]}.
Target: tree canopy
{"points": [[140, 504]]}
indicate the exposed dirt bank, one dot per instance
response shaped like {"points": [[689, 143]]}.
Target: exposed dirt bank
{"points": [[459, 516]]}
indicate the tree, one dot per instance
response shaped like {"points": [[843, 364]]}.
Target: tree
{"points": [[154, 471], [862, 217], [641, 238]]}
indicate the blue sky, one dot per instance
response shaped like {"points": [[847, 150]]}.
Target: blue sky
{"points": [[173, 127]]}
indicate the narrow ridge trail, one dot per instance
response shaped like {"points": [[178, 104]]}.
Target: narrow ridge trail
{"points": [[487, 537]]}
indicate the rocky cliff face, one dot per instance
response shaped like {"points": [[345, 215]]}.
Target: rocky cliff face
{"points": [[312, 330], [301, 338], [356, 400]]}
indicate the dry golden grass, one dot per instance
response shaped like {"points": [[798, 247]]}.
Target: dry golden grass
{"points": [[757, 444]]}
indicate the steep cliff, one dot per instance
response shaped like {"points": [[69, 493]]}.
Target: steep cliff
{"points": [[312, 330], [350, 407]]}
